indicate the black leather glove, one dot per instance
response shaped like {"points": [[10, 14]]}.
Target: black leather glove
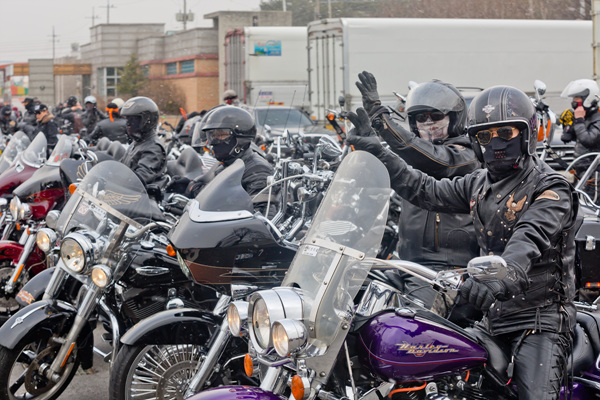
{"points": [[482, 294], [368, 89], [362, 136]]}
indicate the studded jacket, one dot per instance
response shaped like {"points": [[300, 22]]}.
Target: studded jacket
{"points": [[528, 219], [433, 238]]}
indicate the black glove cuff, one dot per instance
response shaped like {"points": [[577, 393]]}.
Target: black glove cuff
{"points": [[579, 120], [377, 110]]}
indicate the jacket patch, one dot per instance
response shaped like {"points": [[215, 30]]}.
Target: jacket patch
{"points": [[550, 195], [514, 207]]}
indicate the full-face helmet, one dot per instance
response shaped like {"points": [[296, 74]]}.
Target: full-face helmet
{"points": [[587, 89], [142, 117], [229, 131]]}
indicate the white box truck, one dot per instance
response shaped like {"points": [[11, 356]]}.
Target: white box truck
{"points": [[267, 65], [465, 52]]}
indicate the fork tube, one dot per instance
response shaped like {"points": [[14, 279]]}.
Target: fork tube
{"points": [[8, 228], [84, 310], [55, 284], [211, 359], [114, 325], [10, 285]]}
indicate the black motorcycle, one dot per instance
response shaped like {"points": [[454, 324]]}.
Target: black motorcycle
{"points": [[223, 244]]}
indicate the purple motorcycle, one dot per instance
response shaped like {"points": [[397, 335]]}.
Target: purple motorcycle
{"points": [[337, 329]]}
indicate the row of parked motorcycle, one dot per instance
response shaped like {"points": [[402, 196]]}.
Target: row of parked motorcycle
{"points": [[203, 293]]}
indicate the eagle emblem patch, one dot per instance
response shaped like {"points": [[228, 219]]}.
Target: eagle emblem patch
{"points": [[514, 207]]}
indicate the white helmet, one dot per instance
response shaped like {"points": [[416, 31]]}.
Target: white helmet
{"points": [[89, 99], [587, 89], [118, 101]]}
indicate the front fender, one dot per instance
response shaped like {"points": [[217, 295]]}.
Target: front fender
{"points": [[235, 393], [27, 320], [10, 250], [34, 288], [177, 326]]}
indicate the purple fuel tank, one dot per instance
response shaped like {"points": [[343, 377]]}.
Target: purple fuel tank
{"points": [[235, 393], [406, 348]]}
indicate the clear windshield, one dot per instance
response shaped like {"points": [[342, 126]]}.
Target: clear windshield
{"points": [[275, 117], [35, 155], [62, 150], [17, 144], [352, 214], [109, 194]]}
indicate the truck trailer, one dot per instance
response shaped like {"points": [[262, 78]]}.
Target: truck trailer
{"points": [[465, 52], [267, 65]]}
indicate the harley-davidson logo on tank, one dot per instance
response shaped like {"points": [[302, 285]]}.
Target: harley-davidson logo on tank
{"points": [[421, 350]]}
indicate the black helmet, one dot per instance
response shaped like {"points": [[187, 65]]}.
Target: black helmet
{"points": [[6, 111], [501, 106], [142, 116], [437, 96], [71, 101], [237, 122]]}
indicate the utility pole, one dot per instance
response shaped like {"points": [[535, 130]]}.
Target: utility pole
{"points": [[108, 6], [596, 38], [317, 9], [53, 36], [184, 16], [93, 17]]}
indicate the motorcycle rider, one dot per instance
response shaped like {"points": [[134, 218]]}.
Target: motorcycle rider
{"points": [[91, 115], [114, 127], [72, 112], [29, 114], [47, 125], [524, 212], [146, 155], [436, 145], [230, 97], [8, 124], [229, 132]]}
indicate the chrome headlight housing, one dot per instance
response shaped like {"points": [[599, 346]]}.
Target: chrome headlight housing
{"points": [[101, 275], [46, 239], [77, 252], [289, 336], [15, 205], [24, 211], [268, 306], [237, 317]]}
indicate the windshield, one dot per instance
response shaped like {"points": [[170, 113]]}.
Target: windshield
{"points": [[17, 144], [62, 150], [35, 155], [282, 118], [109, 194], [353, 214]]}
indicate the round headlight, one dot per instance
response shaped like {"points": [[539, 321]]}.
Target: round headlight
{"points": [[261, 323], [237, 317], [24, 211], [45, 239], [288, 336], [15, 205], [101, 275], [72, 255]]}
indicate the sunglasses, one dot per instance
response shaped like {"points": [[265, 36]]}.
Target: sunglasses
{"points": [[434, 116], [485, 136]]}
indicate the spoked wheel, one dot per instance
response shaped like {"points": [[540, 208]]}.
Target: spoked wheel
{"points": [[22, 370], [154, 372], [8, 303]]}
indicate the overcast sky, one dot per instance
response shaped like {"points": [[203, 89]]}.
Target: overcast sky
{"points": [[27, 25]]}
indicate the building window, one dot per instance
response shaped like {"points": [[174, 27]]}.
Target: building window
{"points": [[110, 79], [172, 69], [187, 66], [145, 70]]}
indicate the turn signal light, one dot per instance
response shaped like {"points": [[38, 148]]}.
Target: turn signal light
{"points": [[592, 285], [297, 387], [72, 188], [171, 251], [248, 365], [330, 116], [18, 226]]}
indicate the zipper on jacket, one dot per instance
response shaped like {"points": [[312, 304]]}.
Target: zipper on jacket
{"points": [[437, 232]]}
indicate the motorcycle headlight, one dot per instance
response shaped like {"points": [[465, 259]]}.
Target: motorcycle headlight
{"points": [[24, 211], [237, 317], [46, 239], [15, 205], [77, 252], [101, 275], [268, 306], [288, 336]]}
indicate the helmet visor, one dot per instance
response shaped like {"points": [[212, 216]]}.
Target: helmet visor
{"points": [[218, 136]]}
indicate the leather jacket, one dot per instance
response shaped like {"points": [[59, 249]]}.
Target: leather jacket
{"points": [[528, 219], [50, 129], [91, 117], [147, 158], [586, 133], [432, 238], [114, 130]]}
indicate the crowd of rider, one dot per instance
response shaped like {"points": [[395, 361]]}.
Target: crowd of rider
{"points": [[472, 185]]}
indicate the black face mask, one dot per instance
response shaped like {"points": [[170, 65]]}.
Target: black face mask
{"points": [[223, 149], [134, 124], [501, 157]]}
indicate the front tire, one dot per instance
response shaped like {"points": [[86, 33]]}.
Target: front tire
{"points": [[154, 371], [20, 369]]}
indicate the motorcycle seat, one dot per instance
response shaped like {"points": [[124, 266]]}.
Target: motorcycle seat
{"points": [[116, 150], [103, 144], [583, 356], [497, 358], [188, 165], [590, 322]]}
